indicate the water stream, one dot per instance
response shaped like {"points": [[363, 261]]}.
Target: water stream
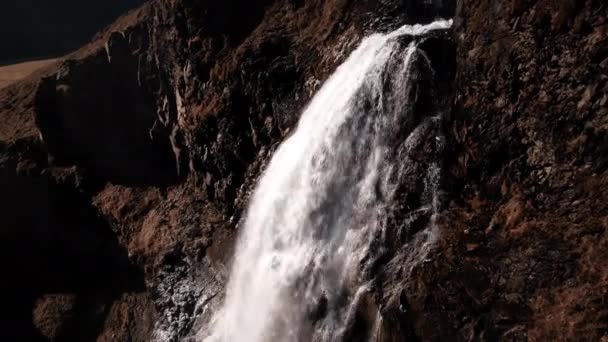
{"points": [[324, 198]]}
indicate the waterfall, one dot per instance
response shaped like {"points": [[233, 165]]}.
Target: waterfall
{"points": [[308, 234]]}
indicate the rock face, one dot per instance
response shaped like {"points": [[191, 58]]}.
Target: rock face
{"points": [[527, 223], [125, 168]]}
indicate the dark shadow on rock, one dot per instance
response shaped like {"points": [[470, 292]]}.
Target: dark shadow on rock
{"points": [[101, 116], [425, 11], [441, 51], [53, 242]]}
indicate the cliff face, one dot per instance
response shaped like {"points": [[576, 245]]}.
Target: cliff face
{"points": [[525, 246], [523, 251], [126, 167]]}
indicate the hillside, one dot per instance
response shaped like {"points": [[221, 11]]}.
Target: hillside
{"points": [[12, 73], [127, 168]]}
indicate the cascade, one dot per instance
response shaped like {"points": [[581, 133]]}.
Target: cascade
{"points": [[318, 217]]}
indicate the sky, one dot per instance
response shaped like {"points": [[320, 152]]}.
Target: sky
{"points": [[37, 29]]}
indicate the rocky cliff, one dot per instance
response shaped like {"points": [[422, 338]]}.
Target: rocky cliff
{"points": [[125, 168], [527, 223]]}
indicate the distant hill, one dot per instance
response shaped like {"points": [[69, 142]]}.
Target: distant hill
{"points": [[32, 29], [11, 73]]}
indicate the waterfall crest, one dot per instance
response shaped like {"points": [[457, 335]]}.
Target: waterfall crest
{"points": [[321, 206]]}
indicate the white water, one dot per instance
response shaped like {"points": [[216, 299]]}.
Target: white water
{"points": [[322, 200]]}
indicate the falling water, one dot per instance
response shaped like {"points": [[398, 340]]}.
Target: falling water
{"points": [[324, 198]]}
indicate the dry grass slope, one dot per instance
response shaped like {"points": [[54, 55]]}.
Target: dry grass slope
{"points": [[15, 72]]}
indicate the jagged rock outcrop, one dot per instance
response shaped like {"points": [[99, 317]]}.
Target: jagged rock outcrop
{"points": [[125, 168]]}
